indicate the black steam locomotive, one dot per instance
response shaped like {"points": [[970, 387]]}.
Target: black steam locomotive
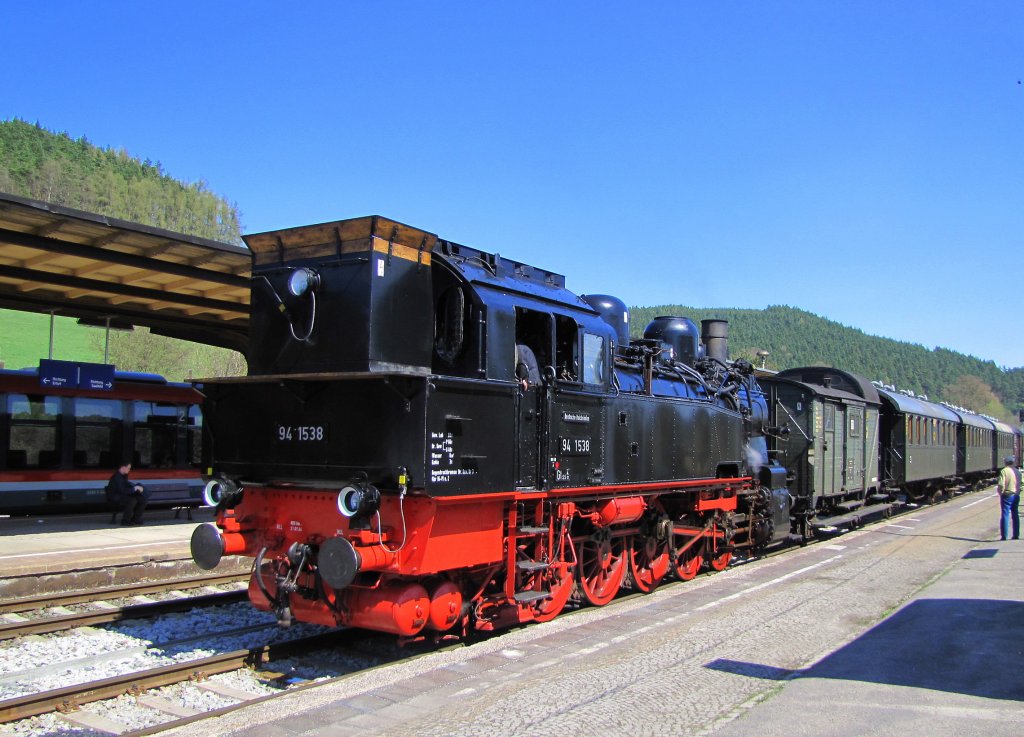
{"points": [[434, 437]]}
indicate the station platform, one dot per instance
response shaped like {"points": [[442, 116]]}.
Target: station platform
{"points": [[44, 553], [911, 626]]}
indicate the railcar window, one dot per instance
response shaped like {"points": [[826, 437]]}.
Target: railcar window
{"points": [[97, 432], [855, 422], [830, 416], [35, 431], [594, 360], [156, 433]]}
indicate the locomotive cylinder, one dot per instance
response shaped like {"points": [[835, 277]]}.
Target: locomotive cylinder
{"points": [[622, 511]]}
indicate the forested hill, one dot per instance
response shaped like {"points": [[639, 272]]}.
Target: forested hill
{"points": [[794, 337], [55, 168]]}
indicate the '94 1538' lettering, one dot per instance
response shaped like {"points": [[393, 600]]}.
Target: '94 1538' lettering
{"points": [[301, 433], [574, 446]]}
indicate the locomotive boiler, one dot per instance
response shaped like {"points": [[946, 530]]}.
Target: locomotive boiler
{"points": [[433, 438]]}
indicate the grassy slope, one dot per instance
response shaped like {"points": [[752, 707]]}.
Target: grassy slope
{"points": [[25, 338]]}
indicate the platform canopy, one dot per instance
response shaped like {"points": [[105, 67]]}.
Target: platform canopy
{"points": [[79, 264]]}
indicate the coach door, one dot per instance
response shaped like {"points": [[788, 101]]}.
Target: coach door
{"points": [[853, 477], [832, 450]]}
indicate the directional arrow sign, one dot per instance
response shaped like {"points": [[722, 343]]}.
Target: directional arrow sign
{"points": [[96, 376], [58, 374]]}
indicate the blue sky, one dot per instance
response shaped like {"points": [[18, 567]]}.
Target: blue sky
{"points": [[861, 160]]}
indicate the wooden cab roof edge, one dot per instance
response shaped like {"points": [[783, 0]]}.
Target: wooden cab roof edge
{"points": [[278, 246]]}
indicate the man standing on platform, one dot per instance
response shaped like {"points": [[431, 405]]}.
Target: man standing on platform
{"points": [[120, 490], [1009, 499]]}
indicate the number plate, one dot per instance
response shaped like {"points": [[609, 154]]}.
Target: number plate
{"points": [[573, 446], [300, 433]]}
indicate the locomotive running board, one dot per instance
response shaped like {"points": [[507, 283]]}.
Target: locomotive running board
{"points": [[845, 519]]}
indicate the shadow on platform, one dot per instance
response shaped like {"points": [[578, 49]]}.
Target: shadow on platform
{"points": [[965, 646], [46, 523]]}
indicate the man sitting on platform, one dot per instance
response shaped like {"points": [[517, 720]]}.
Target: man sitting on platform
{"points": [[127, 494]]}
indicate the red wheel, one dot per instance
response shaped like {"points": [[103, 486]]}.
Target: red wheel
{"points": [[720, 562], [648, 562], [602, 566], [688, 556]]}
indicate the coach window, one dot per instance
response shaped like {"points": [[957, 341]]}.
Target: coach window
{"points": [[35, 434], [594, 359], [156, 433], [98, 432], [830, 417]]}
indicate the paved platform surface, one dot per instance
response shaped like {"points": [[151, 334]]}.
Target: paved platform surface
{"points": [[911, 627], [34, 547]]}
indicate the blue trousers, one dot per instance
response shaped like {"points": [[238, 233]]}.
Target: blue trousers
{"points": [[1010, 513]]}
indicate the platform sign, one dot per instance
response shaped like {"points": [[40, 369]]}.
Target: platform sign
{"points": [[96, 376], [58, 374], [71, 374]]}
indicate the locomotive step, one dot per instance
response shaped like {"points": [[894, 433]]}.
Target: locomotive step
{"points": [[528, 597], [879, 498], [526, 530], [531, 565]]}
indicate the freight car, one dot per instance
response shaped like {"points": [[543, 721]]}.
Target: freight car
{"points": [[435, 438]]}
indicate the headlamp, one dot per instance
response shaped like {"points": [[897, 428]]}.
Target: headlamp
{"points": [[303, 280], [358, 500]]}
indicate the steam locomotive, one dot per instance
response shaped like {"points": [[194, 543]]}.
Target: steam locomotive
{"points": [[434, 439]]}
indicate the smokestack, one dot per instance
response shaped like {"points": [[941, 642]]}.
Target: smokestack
{"points": [[715, 336]]}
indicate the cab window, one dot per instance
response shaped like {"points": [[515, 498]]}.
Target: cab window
{"points": [[594, 359]]}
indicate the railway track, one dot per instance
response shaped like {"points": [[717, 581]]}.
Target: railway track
{"points": [[71, 698], [29, 603], [18, 627], [58, 622]]}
